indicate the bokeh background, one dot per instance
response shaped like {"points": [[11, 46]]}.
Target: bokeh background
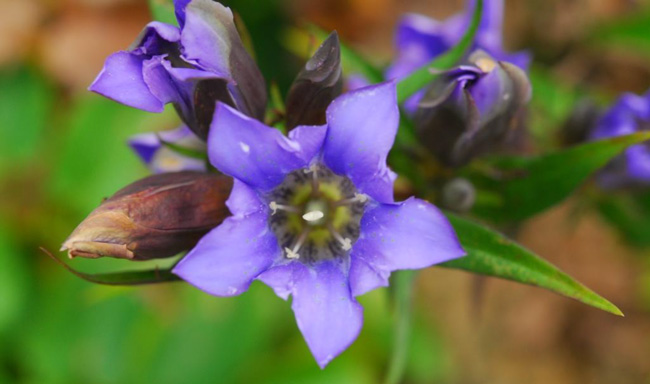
{"points": [[63, 149]]}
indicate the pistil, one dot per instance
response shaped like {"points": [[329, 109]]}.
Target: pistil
{"points": [[315, 212]]}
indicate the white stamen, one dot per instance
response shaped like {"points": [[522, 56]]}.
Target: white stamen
{"points": [[361, 197], [275, 207], [346, 243], [313, 216], [291, 254], [312, 168], [358, 198]]}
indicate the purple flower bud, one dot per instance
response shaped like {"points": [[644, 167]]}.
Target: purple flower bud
{"points": [[472, 109], [156, 217], [630, 114], [193, 67], [316, 86], [458, 195]]}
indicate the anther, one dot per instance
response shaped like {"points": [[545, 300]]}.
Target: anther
{"points": [[346, 243], [312, 168], [358, 198], [292, 253], [275, 207]]}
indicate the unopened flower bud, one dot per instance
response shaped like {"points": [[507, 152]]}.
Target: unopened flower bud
{"points": [[319, 82], [458, 195], [156, 217], [472, 109], [581, 121]]}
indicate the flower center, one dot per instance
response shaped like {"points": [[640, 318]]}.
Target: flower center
{"points": [[315, 214]]}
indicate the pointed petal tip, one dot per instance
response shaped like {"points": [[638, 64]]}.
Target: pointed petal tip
{"points": [[332, 38], [322, 363]]}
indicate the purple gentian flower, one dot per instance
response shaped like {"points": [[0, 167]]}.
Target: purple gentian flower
{"points": [[314, 216], [630, 114], [420, 39], [192, 67], [160, 158], [472, 109]]}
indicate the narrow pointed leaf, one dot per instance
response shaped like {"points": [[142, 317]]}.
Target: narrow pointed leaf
{"points": [[522, 187], [423, 76], [120, 278], [492, 254]]}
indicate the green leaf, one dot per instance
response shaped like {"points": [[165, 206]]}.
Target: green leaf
{"points": [[423, 76], [492, 254], [163, 11], [516, 188], [181, 150], [120, 278]]}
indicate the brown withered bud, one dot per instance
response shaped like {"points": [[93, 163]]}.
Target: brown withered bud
{"points": [[156, 217], [317, 84]]}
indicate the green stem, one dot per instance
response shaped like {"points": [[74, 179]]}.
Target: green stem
{"points": [[402, 285]]}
